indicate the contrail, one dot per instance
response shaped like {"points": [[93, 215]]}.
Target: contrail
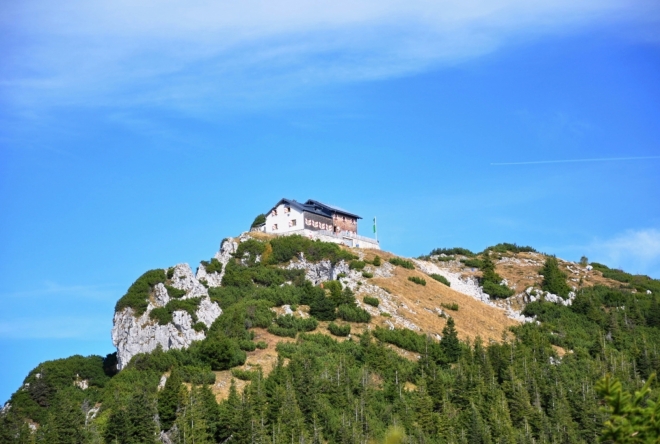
{"points": [[602, 159]]}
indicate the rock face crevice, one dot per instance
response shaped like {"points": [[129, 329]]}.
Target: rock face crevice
{"points": [[133, 335]]}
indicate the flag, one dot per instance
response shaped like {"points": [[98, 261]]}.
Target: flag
{"points": [[374, 225]]}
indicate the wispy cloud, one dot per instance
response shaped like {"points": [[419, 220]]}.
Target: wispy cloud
{"points": [[602, 159], [635, 251], [202, 53]]}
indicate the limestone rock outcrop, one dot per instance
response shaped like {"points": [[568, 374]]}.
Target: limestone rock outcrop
{"points": [[321, 271], [227, 249], [133, 335]]}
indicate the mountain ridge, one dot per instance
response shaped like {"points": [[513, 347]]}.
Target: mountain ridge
{"points": [[240, 317]]}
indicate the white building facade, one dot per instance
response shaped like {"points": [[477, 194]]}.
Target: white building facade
{"points": [[316, 220], [284, 218]]}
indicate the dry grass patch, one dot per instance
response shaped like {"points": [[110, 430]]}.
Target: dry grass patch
{"points": [[419, 305]]}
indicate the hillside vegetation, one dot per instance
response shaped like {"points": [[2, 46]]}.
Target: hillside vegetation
{"points": [[370, 355]]}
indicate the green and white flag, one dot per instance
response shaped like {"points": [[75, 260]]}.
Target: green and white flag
{"points": [[375, 234]]}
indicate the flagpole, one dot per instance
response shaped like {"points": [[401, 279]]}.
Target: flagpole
{"points": [[375, 231]]}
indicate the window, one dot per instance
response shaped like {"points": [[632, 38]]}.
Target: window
{"points": [[292, 223], [274, 227], [274, 213], [287, 209]]}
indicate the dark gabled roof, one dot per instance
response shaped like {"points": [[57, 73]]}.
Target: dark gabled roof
{"points": [[292, 203], [314, 206], [331, 208]]}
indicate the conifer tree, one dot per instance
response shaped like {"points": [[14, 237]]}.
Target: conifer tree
{"points": [[554, 280], [653, 315], [230, 414], [170, 400], [449, 343], [292, 422], [66, 423], [499, 420], [141, 412], [211, 410], [118, 427], [426, 419], [191, 424]]}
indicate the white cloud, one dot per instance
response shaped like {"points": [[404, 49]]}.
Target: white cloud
{"points": [[211, 53], [635, 251]]}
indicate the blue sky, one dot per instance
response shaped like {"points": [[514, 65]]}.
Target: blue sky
{"points": [[135, 137]]}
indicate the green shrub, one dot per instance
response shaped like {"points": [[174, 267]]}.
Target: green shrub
{"points": [[247, 345], [473, 263], [221, 353], [554, 280], [287, 321], [212, 266], [339, 330], [323, 308], [164, 314], [259, 220], [356, 265], [351, 313], [367, 275], [490, 280], [403, 338], [137, 296], [513, 248], [196, 375], [282, 331], [307, 324], [286, 248], [247, 313], [286, 349], [376, 261], [385, 314], [445, 258], [496, 290], [175, 292], [417, 280], [374, 302], [244, 375], [237, 275], [261, 345], [452, 252], [252, 247], [402, 263], [637, 281], [170, 273], [440, 278], [200, 326], [453, 306], [299, 324]]}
